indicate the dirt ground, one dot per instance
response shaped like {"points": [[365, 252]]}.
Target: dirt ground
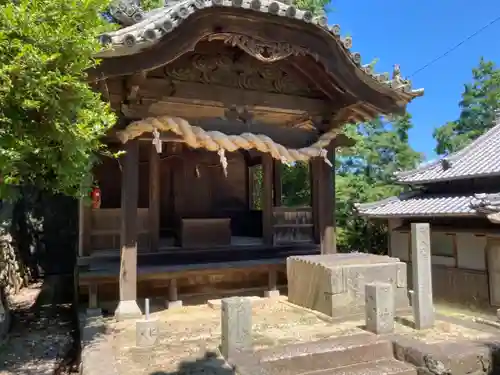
{"points": [[189, 337], [40, 335]]}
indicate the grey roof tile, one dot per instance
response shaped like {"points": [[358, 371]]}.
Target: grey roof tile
{"points": [[486, 203], [480, 158], [415, 204], [143, 29]]}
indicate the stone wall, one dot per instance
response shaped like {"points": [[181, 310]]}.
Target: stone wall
{"points": [[12, 276], [38, 232], [13, 272]]}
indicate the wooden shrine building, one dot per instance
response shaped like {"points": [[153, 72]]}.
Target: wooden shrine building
{"points": [[459, 197], [207, 92]]}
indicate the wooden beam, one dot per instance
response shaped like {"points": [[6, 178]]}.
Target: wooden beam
{"points": [[154, 199], [216, 95], [127, 307], [267, 198], [277, 186], [191, 110]]}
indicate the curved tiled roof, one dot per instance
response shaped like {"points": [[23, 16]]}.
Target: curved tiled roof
{"points": [[419, 205], [144, 29], [480, 158], [486, 203]]}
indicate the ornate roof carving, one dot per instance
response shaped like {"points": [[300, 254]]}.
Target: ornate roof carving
{"points": [[142, 30], [225, 68]]}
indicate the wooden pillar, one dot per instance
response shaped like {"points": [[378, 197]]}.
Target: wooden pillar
{"points": [[323, 197], [267, 198], [85, 228], [314, 175], [127, 307], [277, 187], [154, 199]]}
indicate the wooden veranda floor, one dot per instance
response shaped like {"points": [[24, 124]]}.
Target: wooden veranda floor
{"points": [[197, 272]]}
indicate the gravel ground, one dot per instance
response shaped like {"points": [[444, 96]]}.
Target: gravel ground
{"points": [[41, 330], [189, 337]]}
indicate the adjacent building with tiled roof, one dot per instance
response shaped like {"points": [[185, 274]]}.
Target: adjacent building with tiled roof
{"points": [[459, 196]]}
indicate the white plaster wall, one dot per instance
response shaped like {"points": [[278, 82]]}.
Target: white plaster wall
{"points": [[470, 251], [443, 261], [399, 242]]}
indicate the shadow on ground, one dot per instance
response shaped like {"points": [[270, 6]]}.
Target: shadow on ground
{"points": [[210, 364], [43, 332]]}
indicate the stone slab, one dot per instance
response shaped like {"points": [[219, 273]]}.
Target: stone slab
{"points": [[147, 332], [457, 358], [254, 300], [423, 305], [351, 354], [334, 284], [379, 308], [236, 325]]}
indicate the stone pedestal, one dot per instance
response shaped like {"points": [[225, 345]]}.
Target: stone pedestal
{"points": [[92, 313], [236, 325], [146, 332], [272, 291], [173, 297], [127, 310], [174, 304], [423, 305], [335, 284], [273, 294], [379, 299]]}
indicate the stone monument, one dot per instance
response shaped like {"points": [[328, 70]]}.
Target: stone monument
{"points": [[423, 305], [379, 308], [236, 325], [334, 284], [146, 329]]}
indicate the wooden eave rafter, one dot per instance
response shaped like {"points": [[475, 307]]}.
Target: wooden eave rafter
{"points": [[325, 52]]}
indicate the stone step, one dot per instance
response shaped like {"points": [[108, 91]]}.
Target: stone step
{"points": [[380, 367], [326, 354]]}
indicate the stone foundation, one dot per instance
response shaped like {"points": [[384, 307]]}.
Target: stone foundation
{"points": [[335, 284]]}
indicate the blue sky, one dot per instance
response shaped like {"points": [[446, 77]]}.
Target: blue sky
{"points": [[412, 33]]}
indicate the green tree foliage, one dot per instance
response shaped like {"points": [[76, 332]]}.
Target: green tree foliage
{"points": [[316, 7], [480, 99], [51, 121], [296, 183], [364, 173]]}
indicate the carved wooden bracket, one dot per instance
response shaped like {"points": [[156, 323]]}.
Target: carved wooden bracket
{"points": [[239, 114], [133, 84], [265, 51]]}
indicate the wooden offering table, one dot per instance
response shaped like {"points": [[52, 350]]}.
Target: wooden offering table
{"points": [[205, 232]]}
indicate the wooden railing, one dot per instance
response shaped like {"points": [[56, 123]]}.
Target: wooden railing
{"points": [[105, 227], [292, 225]]}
